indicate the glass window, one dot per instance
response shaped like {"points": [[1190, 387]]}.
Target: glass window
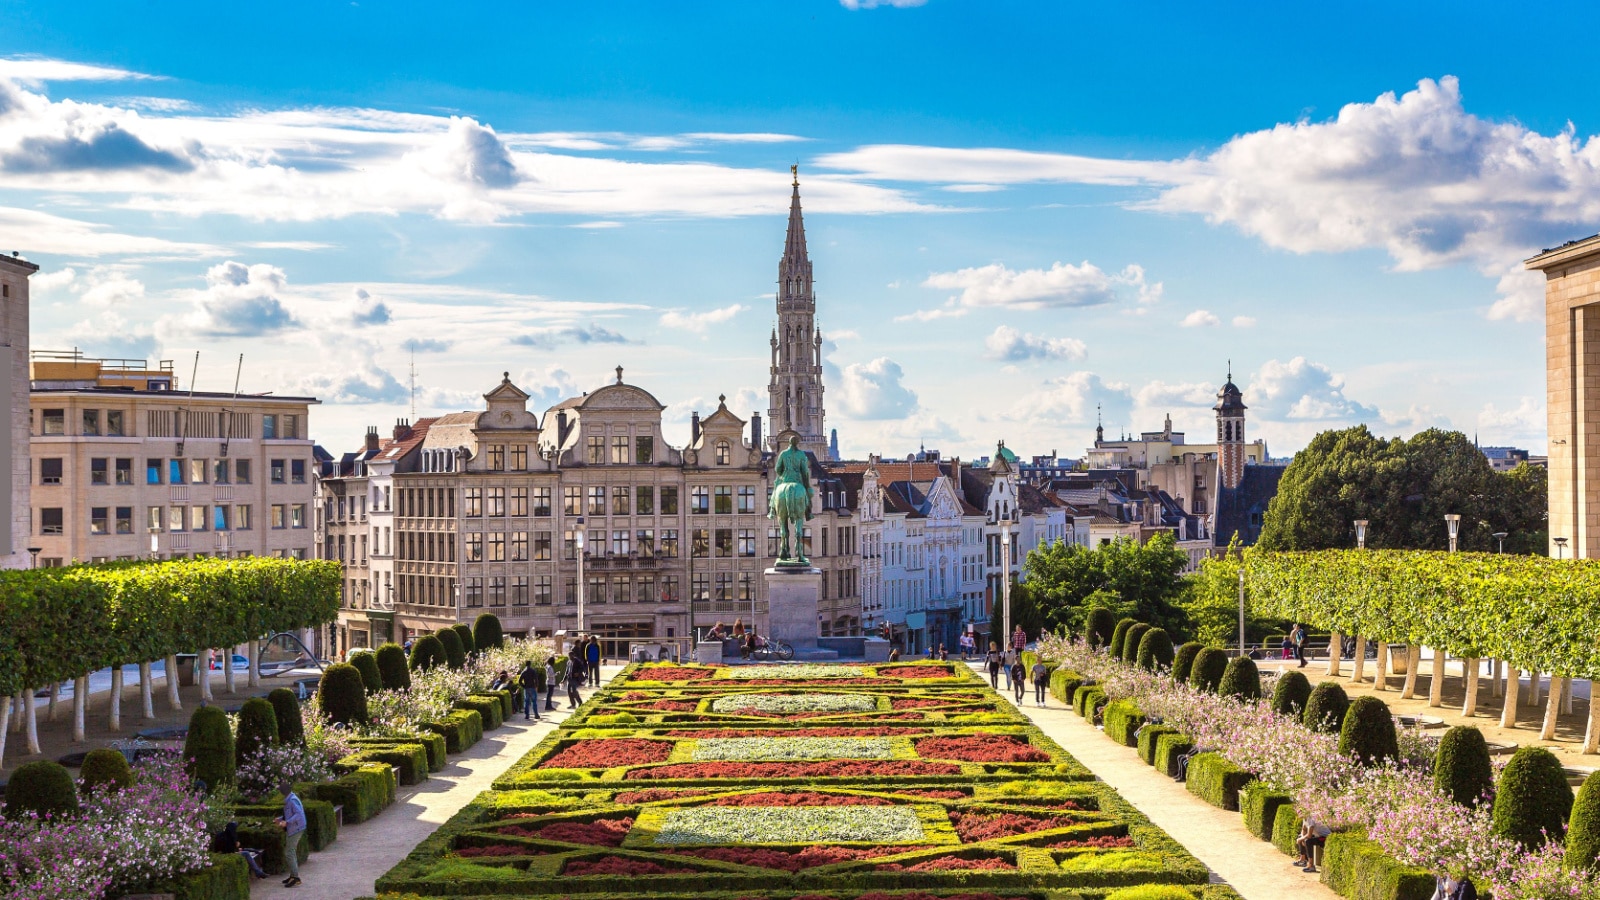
{"points": [[700, 543], [669, 500], [297, 471], [124, 520], [198, 470], [474, 544], [497, 546], [220, 472], [241, 471], [572, 500], [619, 450], [699, 500], [496, 497], [647, 541], [114, 426], [724, 500], [541, 501], [645, 500], [291, 427], [472, 501], [175, 471], [176, 520], [747, 542], [519, 546], [621, 500], [55, 421], [724, 541], [747, 498], [621, 543], [241, 518], [474, 595], [519, 457], [51, 521], [746, 586], [219, 518], [669, 543], [724, 585], [621, 589], [124, 471], [519, 502], [496, 457], [647, 589], [269, 427], [724, 453], [197, 518], [276, 472], [644, 450], [152, 471], [700, 588], [97, 520], [280, 515], [50, 470], [569, 544], [497, 590], [519, 590], [297, 516], [597, 501], [91, 421], [597, 450]]}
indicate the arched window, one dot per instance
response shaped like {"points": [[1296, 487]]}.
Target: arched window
{"points": [[724, 454]]}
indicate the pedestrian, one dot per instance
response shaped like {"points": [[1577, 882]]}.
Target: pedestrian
{"points": [[1018, 679], [550, 684], [593, 654], [993, 660], [1019, 640], [1041, 680], [574, 680], [530, 681], [894, 654], [1300, 643], [944, 654], [293, 823]]}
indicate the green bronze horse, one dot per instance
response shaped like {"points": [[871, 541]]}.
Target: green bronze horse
{"points": [[790, 503]]}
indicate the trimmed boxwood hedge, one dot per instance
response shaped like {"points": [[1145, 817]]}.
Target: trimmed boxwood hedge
{"points": [[460, 730], [1118, 633], [1583, 831], [487, 633], [1099, 626], [1533, 799], [1358, 869], [258, 728], [43, 786], [1209, 666], [1286, 829], [1183, 661], [433, 743], [104, 766], [1461, 768], [1260, 807], [286, 709], [487, 708], [1088, 700], [226, 877], [393, 669], [455, 655], [363, 793], [1217, 781], [410, 759], [1168, 748], [1155, 650], [1325, 710], [1290, 694], [1147, 741], [1368, 732], [1131, 639], [342, 694], [208, 747], [322, 823], [427, 651], [367, 664], [1122, 719], [1240, 679], [1064, 683], [505, 701], [464, 632], [264, 834]]}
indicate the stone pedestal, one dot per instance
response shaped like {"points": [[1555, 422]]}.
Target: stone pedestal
{"points": [[708, 653], [793, 594]]}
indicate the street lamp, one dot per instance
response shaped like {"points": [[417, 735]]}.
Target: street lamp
{"points": [[580, 538], [1561, 544], [1361, 534], [34, 552], [1005, 583], [1500, 538], [1452, 523], [1242, 652]]}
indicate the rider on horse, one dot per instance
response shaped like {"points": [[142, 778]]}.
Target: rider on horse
{"points": [[791, 502]]}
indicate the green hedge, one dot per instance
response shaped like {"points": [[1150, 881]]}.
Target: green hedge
{"points": [[1358, 869], [1260, 807], [1286, 829], [487, 708], [265, 835], [57, 624], [1183, 661], [1122, 719], [460, 730], [225, 877], [1533, 798], [1147, 741], [1087, 699], [322, 823], [363, 793], [1168, 748], [410, 759], [1064, 683], [433, 743], [1217, 781], [505, 701]]}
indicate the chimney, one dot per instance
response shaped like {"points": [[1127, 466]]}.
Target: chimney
{"points": [[755, 430], [402, 429], [694, 429], [372, 439]]}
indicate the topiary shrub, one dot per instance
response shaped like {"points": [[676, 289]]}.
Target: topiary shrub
{"points": [[1286, 829], [1183, 661], [286, 709], [1241, 679], [486, 632], [1583, 832], [208, 750], [1064, 683], [1209, 666], [1131, 639], [1098, 627], [1326, 708], [367, 665], [1168, 748], [44, 787], [1151, 892], [1368, 732], [1155, 650], [1260, 806], [1533, 798], [1290, 694], [393, 672], [455, 655], [104, 767], [1148, 735], [258, 728], [1216, 781], [1118, 633], [426, 652], [343, 695], [1461, 769], [464, 632], [1122, 721]]}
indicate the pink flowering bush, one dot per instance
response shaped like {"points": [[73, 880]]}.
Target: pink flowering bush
{"points": [[262, 772]]}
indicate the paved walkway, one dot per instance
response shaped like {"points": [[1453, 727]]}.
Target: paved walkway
{"points": [[1216, 837], [363, 852]]}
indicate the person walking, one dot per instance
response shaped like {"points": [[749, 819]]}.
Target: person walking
{"points": [[530, 681], [575, 672], [1019, 640], [1041, 680], [1300, 643], [550, 684], [593, 654], [994, 660], [1018, 678], [293, 823]]}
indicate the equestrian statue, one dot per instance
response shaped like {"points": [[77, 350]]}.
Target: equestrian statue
{"points": [[790, 503]]}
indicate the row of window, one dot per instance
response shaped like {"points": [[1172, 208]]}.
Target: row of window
{"points": [[223, 517], [577, 500], [119, 471], [114, 423], [56, 562], [643, 449]]}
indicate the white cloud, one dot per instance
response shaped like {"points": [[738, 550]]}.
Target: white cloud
{"points": [[546, 387], [111, 334], [1077, 398], [1010, 344], [1527, 420], [698, 322], [1061, 286], [948, 311], [873, 390], [973, 188], [1304, 391], [874, 4], [39, 232], [1521, 295], [366, 382], [366, 309], [548, 337], [1244, 321], [1200, 318], [239, 301], [36, 70], [425, 345]]}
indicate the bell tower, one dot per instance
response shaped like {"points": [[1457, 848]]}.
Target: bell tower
{"points": [[794, 394], [1230, 434]]}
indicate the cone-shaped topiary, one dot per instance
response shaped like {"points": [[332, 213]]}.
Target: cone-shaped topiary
{"points": [[1206, 673], [1118, 633], [104, 767], [392, 668], [1098, 627], [1326, 708], [1533, 798], [1368, 732], [1290, 694], [1131, 639], [258, 728], [486, 632], [464, 632], [1155, 650], [1583, 832], [367, 665], [1183, 661], [427, 652], [286, 709], [343, 695], [1241, 679], [1461, 769], [44, 787], [455, 655], [208, 750]]}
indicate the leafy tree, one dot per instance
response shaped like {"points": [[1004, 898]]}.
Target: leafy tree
{"points": [[1142, 577], [1100, 624], [486, 632]]}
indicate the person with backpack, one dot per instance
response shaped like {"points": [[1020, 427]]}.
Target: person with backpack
{"points": [[532, 682], [593, 654], [1299, 635], [1018, 678], [1041, 681], [575, 670], [995, 663]]}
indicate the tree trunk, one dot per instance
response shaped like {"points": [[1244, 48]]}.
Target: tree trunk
{"points": [[55, 696], [80, 707], [173, 701], [1413, 663], [202, 661], [1566, 696], [21, 717], [1533, 689], [1591, 734], [116, 698], [1436, 678], [1469, 705], [30, 710], [1335, 653], [227, 670], [1552, 709], [1496, 689], [1508, 712], [254, 649], [1380, 678], [1360, 662], [5, 728], [147, 703]]}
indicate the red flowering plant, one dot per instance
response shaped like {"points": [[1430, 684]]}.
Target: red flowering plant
{"points": [[973, 827], [798, 798], [822, 731], [598, 833], [603, 753], [790, 860], [620, 865], [951, 863], [980, 747], [848, 768]]}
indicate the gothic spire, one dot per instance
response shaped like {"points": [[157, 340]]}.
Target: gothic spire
{"points": [[794, 246]]}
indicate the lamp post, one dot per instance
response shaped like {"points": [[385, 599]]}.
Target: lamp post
{"points": [[1500, 540], [1360, 660], [1452, 523], [581, 538], [1361, 534], [1005, 583], [33, 554], [1561, 545], [1241, 609]]}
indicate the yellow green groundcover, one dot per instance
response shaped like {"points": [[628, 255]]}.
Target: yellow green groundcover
{"points": [[799, 782]]}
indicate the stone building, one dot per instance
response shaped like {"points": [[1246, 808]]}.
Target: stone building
{"points": [[1572, 386], [127, 465], [15, 523]]}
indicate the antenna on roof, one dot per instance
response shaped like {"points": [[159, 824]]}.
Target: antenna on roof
{"points": [[183, 411], [227, 414], [413, 383]]}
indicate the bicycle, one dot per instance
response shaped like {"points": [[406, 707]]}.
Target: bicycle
{"points": [[773, 649]]}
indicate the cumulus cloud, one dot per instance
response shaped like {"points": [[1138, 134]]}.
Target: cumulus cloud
{"points": [[366, 309], [1305, 391], [1007, 343], [102, 287], [240, 301], [1061, 286], [113, 335], [367, 382], [424, 345], [1526, 420], [1078, 398], [550, 336], [698, 322], [874, 390], [546, 387], [1200, 318]]}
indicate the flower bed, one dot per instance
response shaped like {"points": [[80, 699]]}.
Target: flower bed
{"points": [[798, 798], [651, 795], [822, 732], [794, 703], [619, 865], [796, 671], [789, 861], [980, 748], [830, 769], [975, 827], [673, 673], [951, 863], [598, 754], [790, 825], [916, 671], [786, 748], [599, 833]]}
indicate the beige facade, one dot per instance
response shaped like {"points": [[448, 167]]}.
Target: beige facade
{"points": [[1572, 376], [122, 471], [14, 299]]}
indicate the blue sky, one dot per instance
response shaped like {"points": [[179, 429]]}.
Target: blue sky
{"points": [[1017, 211]]}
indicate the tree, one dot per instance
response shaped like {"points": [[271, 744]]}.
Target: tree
{"points": [[1210, 602], [1533, 799], [1143, 579]]}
